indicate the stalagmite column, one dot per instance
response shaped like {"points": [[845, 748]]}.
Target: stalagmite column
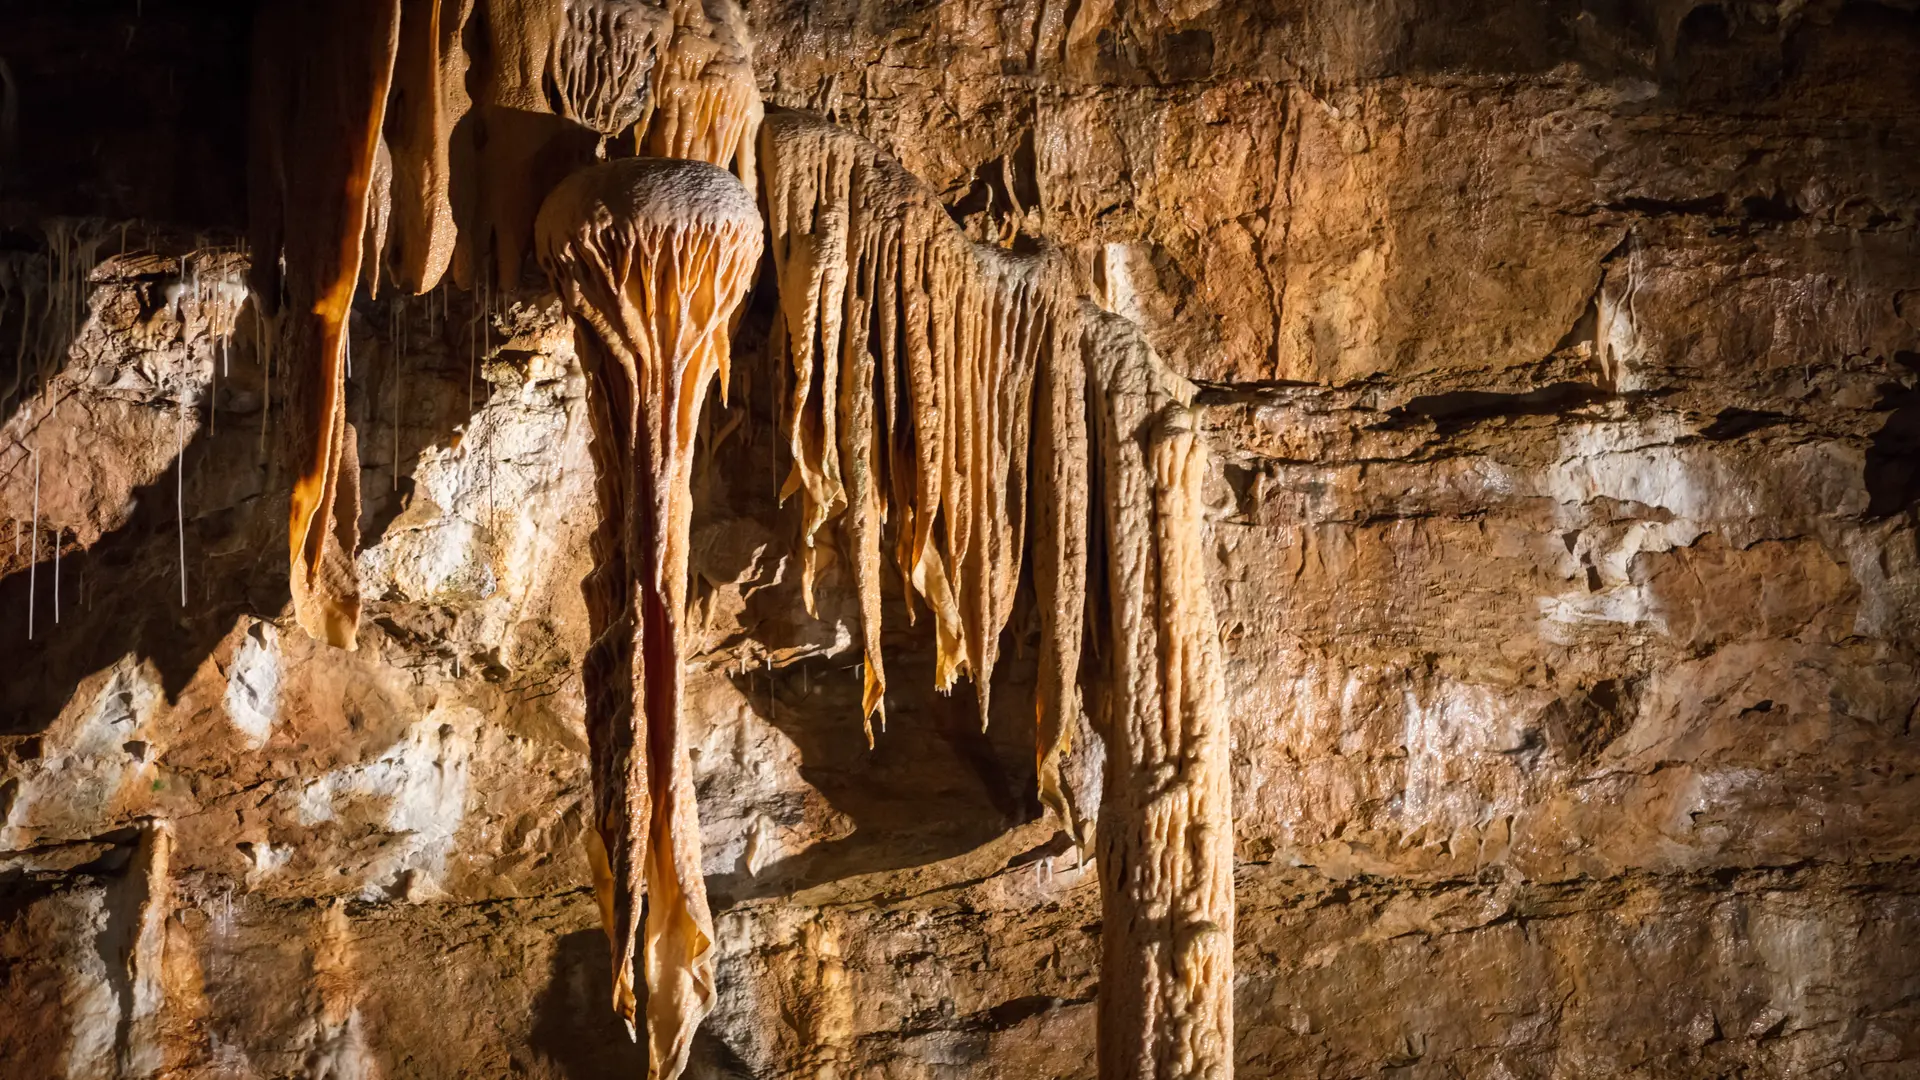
{"points": [[650, 257], [144, 1051], [1166, 818], [321, 76]]}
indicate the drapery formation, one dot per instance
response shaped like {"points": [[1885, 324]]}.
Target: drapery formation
{"points": [[939, 389], [914, 356], [650, 257]]}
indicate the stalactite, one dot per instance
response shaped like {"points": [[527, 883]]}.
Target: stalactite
{"points": [[1061, 511], [322, 73], [266, 331], [522, 148], [944, 403], [605, 60], [379, 212], [559, 76], [429, 101], [364, 137], [73, 247], [914, 354], [650, 258]]}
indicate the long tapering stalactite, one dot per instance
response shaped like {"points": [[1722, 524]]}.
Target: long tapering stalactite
{"points": [[321, 76]]}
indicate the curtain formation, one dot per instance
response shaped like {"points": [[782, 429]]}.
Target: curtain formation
{"points": [[953, 410], [956, 408]]}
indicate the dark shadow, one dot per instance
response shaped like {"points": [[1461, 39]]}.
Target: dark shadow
{"points": [[21, 888], [1892, 473], [573, 1026], [122, 113], [1461, 409], [404, 403], [123, 595], [933, 787], [713, 1059], [1731, 423], [128, 109]]}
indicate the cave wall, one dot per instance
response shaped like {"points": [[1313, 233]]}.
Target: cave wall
{"points": [[1560, 361]]}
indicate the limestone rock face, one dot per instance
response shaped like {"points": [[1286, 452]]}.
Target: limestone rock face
{"points": [[1562, 365]]}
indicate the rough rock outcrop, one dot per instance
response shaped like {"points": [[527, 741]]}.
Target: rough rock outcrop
{"points": [[1559, 362]]}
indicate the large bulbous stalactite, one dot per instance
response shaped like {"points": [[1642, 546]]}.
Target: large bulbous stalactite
{"points": [[370, 157], [650, 257], [558, 78]]}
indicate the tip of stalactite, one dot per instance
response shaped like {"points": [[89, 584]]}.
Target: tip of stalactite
{"points": [[330, 624], [343, 633], [873, 696], [1180, 419]]}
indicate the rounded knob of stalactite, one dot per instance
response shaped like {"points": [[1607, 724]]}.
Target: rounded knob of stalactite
{"points": [[635, 193]]}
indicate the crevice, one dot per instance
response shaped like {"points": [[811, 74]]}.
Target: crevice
{"points": [[1455, 411]]}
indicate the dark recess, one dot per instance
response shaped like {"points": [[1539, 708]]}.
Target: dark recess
{"points": [[128, 109]]}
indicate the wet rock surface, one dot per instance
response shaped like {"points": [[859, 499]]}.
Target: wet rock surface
{"points": [[1561, 363]]}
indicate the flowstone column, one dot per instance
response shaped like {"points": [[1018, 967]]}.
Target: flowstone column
{"points": [[650, 258], [1166, 815]]}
